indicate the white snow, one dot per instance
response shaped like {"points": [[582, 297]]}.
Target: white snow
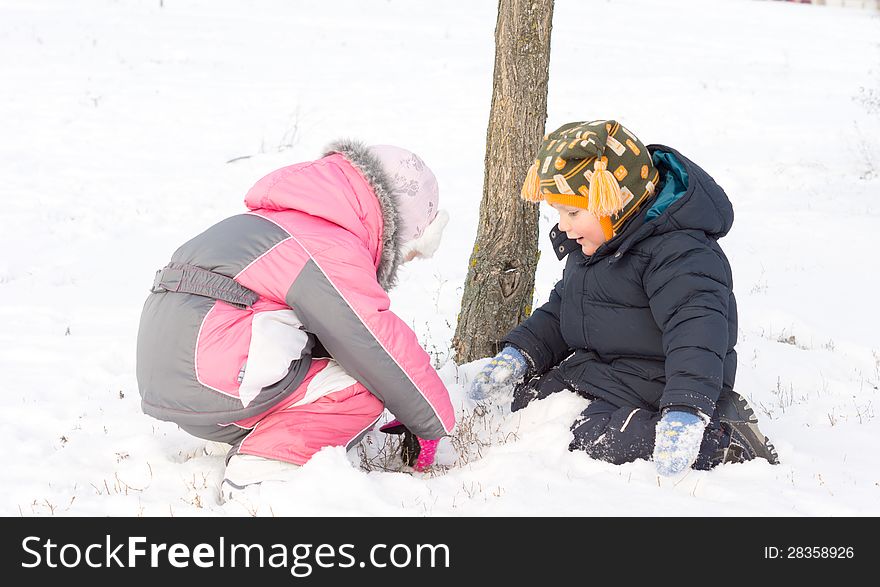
{"points": [[120, 126]]}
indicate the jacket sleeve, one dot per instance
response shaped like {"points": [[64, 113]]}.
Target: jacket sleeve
{"points": [[337, 297], [540, 336], [689, 288]]}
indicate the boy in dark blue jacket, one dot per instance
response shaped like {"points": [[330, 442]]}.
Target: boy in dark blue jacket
{"points": [[643, 321]]}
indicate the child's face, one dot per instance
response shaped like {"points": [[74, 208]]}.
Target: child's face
{"points": [[581, 226]]}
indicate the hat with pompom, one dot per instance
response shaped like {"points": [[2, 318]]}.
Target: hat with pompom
{"points": [[599, 166]]}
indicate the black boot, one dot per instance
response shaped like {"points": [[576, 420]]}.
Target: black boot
{"points": [[738, 420]]}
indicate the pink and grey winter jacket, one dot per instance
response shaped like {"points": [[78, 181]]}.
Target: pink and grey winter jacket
{"points": [[319, 247]]}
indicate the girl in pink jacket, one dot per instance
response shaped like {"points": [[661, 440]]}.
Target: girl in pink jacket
{"points": [[271, 330]]}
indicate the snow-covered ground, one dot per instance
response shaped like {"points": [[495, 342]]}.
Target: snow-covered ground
{"points": [[126, 127]]}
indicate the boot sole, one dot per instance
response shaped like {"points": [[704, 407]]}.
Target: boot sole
{"points": [[739, 415]]}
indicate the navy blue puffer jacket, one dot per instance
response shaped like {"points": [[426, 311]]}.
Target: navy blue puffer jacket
{"points": [[649, 320]]}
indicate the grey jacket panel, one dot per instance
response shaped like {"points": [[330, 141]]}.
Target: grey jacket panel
{"points": [[231, 245], [170, 323], [233, 435], [166, 370], [326, 314], [165, 351]]}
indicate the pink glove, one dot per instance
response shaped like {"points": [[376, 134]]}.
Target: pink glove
{"points": [[426, 455], [416, 452]]}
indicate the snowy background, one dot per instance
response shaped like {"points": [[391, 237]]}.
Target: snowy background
{"points": [[127, 127]]}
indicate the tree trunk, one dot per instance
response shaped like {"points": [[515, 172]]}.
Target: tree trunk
{"points": [[501, 275]]}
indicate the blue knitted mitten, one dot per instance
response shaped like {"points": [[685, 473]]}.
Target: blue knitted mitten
{"points": [[677, 442], [504, 369]]}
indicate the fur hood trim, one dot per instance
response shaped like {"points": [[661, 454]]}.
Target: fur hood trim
{"points": [[356, 153]]}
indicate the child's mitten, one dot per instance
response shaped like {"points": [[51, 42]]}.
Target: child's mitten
{"points": [[416, 452], [504, 369], [679, 435]]}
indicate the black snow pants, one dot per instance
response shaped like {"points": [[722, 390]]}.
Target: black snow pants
{"points": [[616, 433]]}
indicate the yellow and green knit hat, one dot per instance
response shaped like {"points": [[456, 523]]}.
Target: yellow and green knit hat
{"points": [[599, 166]]}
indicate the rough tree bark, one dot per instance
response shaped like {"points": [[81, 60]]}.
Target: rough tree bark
{"points": [[501, 276]]}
